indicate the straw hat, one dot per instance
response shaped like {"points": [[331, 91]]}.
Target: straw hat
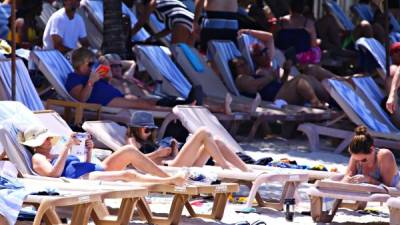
{"points": [[35, 136], [379, 4]]}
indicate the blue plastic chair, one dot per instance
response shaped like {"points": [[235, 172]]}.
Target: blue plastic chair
{"points": [[340, 15]]}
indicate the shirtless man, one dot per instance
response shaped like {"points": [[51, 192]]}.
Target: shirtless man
{"points": [[219, 23]]}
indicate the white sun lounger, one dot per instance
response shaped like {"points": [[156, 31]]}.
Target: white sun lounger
{"points": [[342, 191], [22, 159], [112, 135]]}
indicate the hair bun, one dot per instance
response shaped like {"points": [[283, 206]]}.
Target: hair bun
{"points": [[361, 130]]}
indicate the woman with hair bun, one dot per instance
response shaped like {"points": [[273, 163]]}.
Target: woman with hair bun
{"points": [[369, 164]]}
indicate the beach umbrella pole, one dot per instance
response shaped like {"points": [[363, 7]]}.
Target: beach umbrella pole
{"points": [[13, 58], [387, 42]]}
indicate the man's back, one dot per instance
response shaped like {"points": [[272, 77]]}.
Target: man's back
{"points": [[70, 30]]}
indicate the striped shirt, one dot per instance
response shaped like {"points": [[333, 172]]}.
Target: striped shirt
{"points": [[173, 12]]}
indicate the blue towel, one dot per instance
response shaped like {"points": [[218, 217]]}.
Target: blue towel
{"points": [[339, 14], [167, 69], [360, 107], [12, 195], [192, 57]]}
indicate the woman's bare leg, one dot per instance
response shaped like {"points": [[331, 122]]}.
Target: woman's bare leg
{"points": [[191, 148], [303, 92], [201, 158], [129, 155], [131, 175], [319, 73], [231, 157]]}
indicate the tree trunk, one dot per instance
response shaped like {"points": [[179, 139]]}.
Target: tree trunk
{"points": [[113, 35]]}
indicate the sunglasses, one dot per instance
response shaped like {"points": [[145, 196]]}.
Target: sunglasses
{"points": [[148, 130], [116, 65], [90, 64]]}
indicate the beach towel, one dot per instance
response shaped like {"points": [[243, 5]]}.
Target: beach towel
{"points": [[360, 107], [363, 11], [25, 90], [168, 69], [12, 195], [340, 15], [192, 58]]}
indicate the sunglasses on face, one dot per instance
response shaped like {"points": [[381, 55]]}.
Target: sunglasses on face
{"points": [[90, 64], [148, 130]]}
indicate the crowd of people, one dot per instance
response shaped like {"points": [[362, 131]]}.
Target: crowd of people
{"points": [[303, 42]]}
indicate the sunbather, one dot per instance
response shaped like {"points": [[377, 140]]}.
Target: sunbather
{"points": [[41, 141], [369, 164], [177, 18], [89, 85], [195, 152]]}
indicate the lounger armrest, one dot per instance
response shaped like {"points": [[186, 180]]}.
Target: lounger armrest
{"points": [[78, 107]]}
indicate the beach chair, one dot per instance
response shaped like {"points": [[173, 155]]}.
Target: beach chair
{"points": [[161, 68], [394, 207], [95, 11], [376, 49], [222, 52], [47, 11], [94, 35], [5, 13], [341, 17], [361, 111], [341, 192], [112, 135], [56, 68], [25, 91], [21, 158]]}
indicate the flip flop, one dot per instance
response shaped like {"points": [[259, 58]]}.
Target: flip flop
{"points": [[242, 223], [259, 222]]}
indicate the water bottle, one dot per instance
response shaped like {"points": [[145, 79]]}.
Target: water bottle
{"points": [[289, 209]]}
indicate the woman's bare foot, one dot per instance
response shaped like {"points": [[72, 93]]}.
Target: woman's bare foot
{"points": [[179, 179], [227, 103], [255, 103]]}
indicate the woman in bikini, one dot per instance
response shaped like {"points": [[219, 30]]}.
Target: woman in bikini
{"points": [[369, 164]]}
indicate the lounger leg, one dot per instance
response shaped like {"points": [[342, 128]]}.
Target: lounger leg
{"points": [[220, 202], [312, 135], [81, 214], [175, 212], [50, 217], [144, 210], [354, 206], [126, 211], [264, 178], [343, 145], [316, 210], [255, 127]]}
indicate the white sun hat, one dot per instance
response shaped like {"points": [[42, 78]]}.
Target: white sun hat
{"points": [[35, 136]]}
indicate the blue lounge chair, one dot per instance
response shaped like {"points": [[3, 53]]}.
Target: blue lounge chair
{"points": [[361, 111], [161, 67], [245, 42], [25, 90], [374, 48]]}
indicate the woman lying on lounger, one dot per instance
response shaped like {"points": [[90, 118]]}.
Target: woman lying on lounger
{"points": [[369, 164], [195, 152], [41, 141]]}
